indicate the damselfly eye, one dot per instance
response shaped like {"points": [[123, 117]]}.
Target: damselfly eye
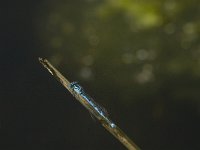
{"points": [[76, 87], [73, 84]]}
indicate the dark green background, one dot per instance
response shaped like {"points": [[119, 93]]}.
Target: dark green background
{"points": [[139, 59]]}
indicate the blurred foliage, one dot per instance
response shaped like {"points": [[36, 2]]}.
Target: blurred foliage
{"points": [[143, 55]]}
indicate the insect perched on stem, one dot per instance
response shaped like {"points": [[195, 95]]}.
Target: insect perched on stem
{"points": [[93, 107], [79, 91]]}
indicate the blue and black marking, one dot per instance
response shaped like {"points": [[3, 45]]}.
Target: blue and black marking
{"points": [[79, 91]]}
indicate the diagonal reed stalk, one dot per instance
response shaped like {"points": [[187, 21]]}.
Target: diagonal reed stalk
{"points": [[96, 110]]}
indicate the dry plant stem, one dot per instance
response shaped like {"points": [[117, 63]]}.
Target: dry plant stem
{"points": [[96, 110]]}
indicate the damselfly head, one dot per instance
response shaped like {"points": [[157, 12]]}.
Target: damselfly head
{"points": [[76, 87]]}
